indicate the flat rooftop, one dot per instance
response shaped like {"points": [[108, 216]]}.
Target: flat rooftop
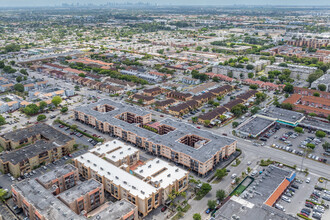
{"points": [[255, 126], [114, 150], [235, 207], [170, 139], [80, 190], [44, 201], [315, 124], [118, 176], [161, 172], [281, 114], [115, 210], [265, 184], [54, 174]]}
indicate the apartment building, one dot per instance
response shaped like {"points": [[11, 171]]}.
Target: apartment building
{"points": [[84, 197], [297, 71], [59, 194], [310, 104], [179, 95], [29, 147], [310, 92], [179, 142], [147, 186], [117, 153], [239, 73], [153, 91]]}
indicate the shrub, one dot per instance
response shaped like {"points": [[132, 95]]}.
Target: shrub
{"points": [[298, 130], [41, 117], [320, 134]]}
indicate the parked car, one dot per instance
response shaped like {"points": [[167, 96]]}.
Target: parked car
{"points": [[164, 208], [295, 186], [286, 199], [208, 211]]}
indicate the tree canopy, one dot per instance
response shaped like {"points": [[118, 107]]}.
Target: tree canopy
{"points": [[56, 100]]}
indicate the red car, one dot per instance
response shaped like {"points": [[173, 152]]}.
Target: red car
{"points": [[304, 214], [164, 209], [198, 127]]}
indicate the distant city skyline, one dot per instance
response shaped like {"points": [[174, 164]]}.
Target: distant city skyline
{"points": [[35, 3]]}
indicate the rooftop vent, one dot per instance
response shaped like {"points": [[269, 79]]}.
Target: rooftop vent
{"points": [[141, 171], [149, 166], [88, 161], [94, 164], [142, 192], [157, 161], [177, 170], [102, 168], [108, 173], [81, 157], [117, 177], [169, 175]]}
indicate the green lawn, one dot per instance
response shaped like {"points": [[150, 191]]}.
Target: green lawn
{"points": [[239, 190]]}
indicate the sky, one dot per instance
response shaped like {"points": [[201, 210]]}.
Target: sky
{"points": [[33, 3]]}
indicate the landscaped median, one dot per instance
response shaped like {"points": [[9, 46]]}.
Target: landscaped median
{"points": [[80, 131]]}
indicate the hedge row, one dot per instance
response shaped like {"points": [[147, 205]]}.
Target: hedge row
{"points": [[302, 216], [80, 131]]}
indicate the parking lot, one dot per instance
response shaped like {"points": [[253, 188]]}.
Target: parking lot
{"points": [[297, 200], [286, 139]]}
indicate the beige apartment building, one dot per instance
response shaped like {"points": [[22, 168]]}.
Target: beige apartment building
{"points": [[182, 143], [147, 186], [37, 145], [60, 195]]}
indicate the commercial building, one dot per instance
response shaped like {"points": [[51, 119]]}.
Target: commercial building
{"points": [[147, 186], [32, 146], [182, 143], [60, 195], [283, 116], [259, 196], [254, 127]]}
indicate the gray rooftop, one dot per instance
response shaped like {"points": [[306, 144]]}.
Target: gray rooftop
{"points": [[260, 212], [47, 131], [315, 124], [80, 190], [51, 138], [265, 184], [255, 126], [170, 139], [54, 174], [115, 210], [282, 114], [44, 201]]}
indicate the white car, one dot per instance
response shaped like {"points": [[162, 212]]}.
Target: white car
{"points": [[286, 199], [308, 180], [234, 176]]}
